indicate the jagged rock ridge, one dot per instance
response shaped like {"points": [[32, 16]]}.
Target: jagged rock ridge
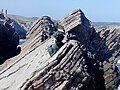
{"points": [[85, 62], [44, 25], [25, 61]]}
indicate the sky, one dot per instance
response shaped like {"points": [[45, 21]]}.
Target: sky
{"points": [[94, 10]]}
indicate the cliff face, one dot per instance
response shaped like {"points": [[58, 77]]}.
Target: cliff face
{"points": [[9, 39], [87, 60]]}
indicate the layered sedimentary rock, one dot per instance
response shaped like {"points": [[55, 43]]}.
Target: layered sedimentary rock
{"points": [[41, 30], [85, 62], [110, 51], [33, 57], [9, 39], [44, 26], [76, 22]]}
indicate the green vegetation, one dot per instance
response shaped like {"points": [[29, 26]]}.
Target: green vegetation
{"points": [[33, 74]]}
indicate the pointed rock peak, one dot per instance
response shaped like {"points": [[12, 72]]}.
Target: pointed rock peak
{"points": [[41, 21], [44, 27], [45, 17], [76, 23], [76, 11]]}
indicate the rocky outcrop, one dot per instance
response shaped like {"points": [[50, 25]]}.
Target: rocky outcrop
{"points": [[32, 49], [110, 52], [77, 26], [87, 60], [44, 26], [9, 39], [41, 30]]}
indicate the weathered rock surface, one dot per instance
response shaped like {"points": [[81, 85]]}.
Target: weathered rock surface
{"points": [[9, 39], [111, 37], [44, 27], [85, 62], [41, 30], [26, 61], [77, 26]]}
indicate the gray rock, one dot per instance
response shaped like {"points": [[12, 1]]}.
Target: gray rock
{"points": [[86, 50], [85, 62], [45, 26], [77, 26]]}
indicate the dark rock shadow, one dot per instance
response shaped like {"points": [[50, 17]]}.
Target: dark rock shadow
{"points": [[9, 40], [97, 52]]}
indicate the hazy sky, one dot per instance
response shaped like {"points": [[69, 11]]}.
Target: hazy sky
{"points": [[95, 10]]}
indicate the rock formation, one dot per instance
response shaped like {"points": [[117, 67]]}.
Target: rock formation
{"points": [[9, 39], [111, 37], [87, 60], [41, 30], [19, 29], [31, 49], [44, 26]]}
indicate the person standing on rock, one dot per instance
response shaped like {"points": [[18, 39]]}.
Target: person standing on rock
{"points": [[52, 49]]}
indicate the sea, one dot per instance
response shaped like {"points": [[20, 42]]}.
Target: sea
{"points": [[21, 41]]}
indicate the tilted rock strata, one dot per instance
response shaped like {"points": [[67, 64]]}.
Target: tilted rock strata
{"points": [[67, 71], [41, 30], [111, 37], [31, 60], [84, 63], [78, 26], [44, 26], [25, 66]]}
